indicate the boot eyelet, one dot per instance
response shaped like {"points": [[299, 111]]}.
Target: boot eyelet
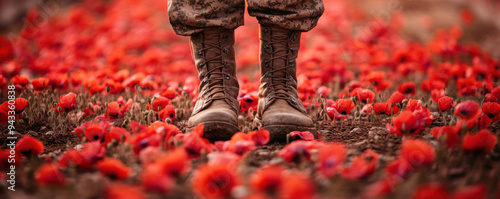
{"points": [[291, 62], [228, 76], [204, 81], [293, 100], [266, 62], [265, 30], [226, 65], [200, 53], [226, 50], [292, 49], [266, 47]]}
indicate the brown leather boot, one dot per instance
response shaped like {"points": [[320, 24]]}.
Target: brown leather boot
{"points": [[216, 107], [280, 110]]}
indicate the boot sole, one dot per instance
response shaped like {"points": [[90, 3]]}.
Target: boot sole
{"points": [[217, 131], [279, 132]]}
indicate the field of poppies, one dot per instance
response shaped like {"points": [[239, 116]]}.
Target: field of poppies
{"points": [[103, 91]]}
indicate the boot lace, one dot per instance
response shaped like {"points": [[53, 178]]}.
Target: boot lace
{"points": [[214, 75], [278, 79]]}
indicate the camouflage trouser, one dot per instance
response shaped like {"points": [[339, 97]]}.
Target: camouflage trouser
{"points": [[192, 16]]}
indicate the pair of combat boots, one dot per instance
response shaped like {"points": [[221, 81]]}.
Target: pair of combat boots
{"points": [[280, 111]]}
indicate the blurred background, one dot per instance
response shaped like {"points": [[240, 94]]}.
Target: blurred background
{"points": [[479, 19]]}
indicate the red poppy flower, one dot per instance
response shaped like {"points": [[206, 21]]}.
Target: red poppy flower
{"points": [[116, 133], [474, 191], [120, 191], [382, 108], [49, 175], [399, 167], [113, 110], [491, 109], [364, 95], [485, 121], [40, 84], [240, 143], [174, 163], [417, 152], [159, 103], [153, 179], [19, 105], [21, 80], [67, 102], [299, 151], [405, 123], [436, 94], [330, 157], [431, 190], [344, 106], [396, 98], [94, 132], [301, 135], [483, 140], [29, 146], [297, 185], [229, 159], [361, 166], [193, 142], [260, 137], [444, 103], [83, 159], [333, 114], [113, 169], [169, 93], [267, 179], [248, 101], [407, 88], [214, 181], [467, 110], [449, 132], [167, 113]]}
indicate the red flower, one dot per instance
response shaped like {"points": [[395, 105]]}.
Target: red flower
{"points": [[334, 114], [116, 133], [304, 135], [260, 137], [382, 108], [120, 191], [484, 141], [21, 80], [94, 132], [160, 103], [113, 169], [491, 109], [248, 101], [40, 84], [174, 163], [381, 188], [49, 174], [444, 103], [214, 181], [29, 146], [405, 123], [240, 143], [417, 152], [396, 97], [84, 159], [330, 157], [364, 95], [169, 93], [361, 166], [297, 185], [430, 191], [399, 167], [407, 88], [344, 106], [193, 142], [167, 113], [67, 102], [113, 111], [436, 94], [449, 132], [299, 151], [474, 191], [267, 179], [19, 105], [153, 179], [467, 110]]}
